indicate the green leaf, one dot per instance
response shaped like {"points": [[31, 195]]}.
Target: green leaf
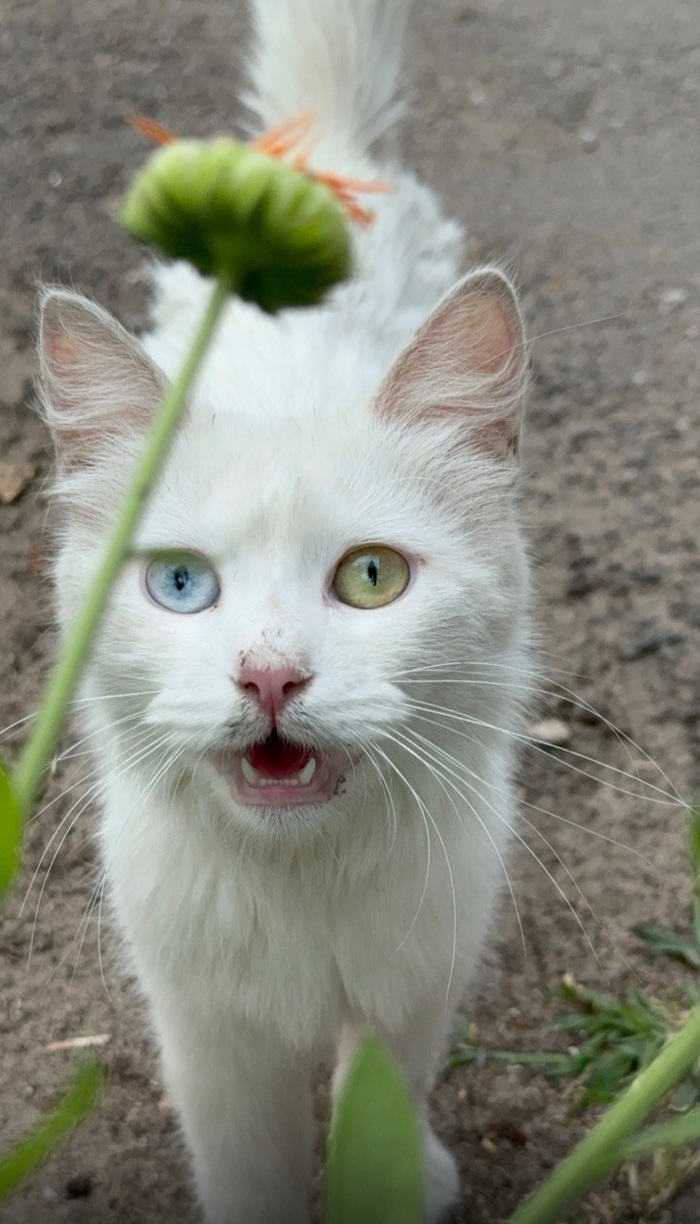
{"points": [[668, 942], [29, 1153], [375, 1158], [10, 831], [667, 1134], [607, 1076]]}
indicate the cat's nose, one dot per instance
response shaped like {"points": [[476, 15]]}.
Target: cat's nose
{"points": [[272, 689]]}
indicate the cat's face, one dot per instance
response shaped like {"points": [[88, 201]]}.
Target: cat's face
{"points": [[293, 570]]}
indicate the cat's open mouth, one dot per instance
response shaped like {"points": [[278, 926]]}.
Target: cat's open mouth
{"points": [[276, 772]]}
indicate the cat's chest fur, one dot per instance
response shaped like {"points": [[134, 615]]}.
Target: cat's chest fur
{"points": [[299, 942]]}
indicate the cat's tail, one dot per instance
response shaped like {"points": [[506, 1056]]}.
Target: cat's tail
{"points": [[337, 59]]}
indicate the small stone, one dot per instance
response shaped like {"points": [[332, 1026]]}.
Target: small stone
{"points": [[640, 378], [673, 297], [79, 1186], [554, 67], [581, 581], [14, 478], [589, 139], [503, 1128], [580, 435], [647, 575], [647, 638], [553, 731]]}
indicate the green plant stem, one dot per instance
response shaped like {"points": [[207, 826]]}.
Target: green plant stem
{"points": [[601, 1150], [40, 746]]}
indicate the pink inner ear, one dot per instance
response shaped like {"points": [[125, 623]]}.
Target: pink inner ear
{"points": [[469, 360], [98, 382], [495, 342], [60, 351]]}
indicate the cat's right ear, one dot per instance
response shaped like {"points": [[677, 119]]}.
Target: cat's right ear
{"points": [[97, 383], [468, 361]]}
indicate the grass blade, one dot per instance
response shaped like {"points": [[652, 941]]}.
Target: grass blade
{"points": [[10, 831], [29, 1152]]}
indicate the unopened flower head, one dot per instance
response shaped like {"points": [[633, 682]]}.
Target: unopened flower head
{"points": [[279, 235]]}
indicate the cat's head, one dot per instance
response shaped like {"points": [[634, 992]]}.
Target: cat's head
{"points": [[320, 560]]}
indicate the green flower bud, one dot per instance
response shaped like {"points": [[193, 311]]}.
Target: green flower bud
{"points": [[279, 235]]}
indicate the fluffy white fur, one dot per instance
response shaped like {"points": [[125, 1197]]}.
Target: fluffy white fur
{"points": [[265, 939]]}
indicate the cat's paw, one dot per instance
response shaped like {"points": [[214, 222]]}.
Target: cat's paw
{"points": [[441, 1180]]}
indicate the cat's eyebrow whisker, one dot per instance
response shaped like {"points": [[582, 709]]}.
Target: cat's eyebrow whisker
{"points": [[551, 752], [575, 326], [529, 341]]}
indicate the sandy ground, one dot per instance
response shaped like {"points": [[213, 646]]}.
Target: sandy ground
{"points": [[566, 137]]}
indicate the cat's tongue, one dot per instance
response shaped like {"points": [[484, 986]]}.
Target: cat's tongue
{"points": [[276, 758]]}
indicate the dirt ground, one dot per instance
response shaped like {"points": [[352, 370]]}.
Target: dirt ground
{"points": [[567, 138]]}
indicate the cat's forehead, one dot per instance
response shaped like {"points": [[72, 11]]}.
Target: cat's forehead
{"points": [[278, 483]]}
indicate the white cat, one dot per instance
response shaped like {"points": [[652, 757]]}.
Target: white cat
{"points": [[304, 697]]}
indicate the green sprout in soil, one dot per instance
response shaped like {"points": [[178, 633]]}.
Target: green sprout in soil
{"points": [[610, 1042], [636, 1055]]}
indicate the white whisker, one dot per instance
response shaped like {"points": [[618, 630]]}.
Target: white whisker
{"points": [[440, 768], [428, 817]]}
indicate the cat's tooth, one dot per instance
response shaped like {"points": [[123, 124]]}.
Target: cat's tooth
{"points": [[306, 774], [250, 773]]}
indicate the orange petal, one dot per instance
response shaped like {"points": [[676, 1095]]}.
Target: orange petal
{"points": [[152, 129]]}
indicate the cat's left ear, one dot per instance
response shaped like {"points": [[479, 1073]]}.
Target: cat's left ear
{"points": [[96, 381], [468, 358]]}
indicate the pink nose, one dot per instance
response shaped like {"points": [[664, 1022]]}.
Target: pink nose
{"points": [[272, 689]]}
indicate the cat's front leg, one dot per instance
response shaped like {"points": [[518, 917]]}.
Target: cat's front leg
{"points": [[416, 1048], [244, 1100]]}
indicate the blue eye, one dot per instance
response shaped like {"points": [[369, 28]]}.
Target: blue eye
{"points": [[182, 583]]}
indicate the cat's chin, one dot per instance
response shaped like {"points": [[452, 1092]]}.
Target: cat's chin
{"points": [[276, 773]]}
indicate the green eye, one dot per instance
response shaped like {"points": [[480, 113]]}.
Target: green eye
{"points": [[371, 577]]}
